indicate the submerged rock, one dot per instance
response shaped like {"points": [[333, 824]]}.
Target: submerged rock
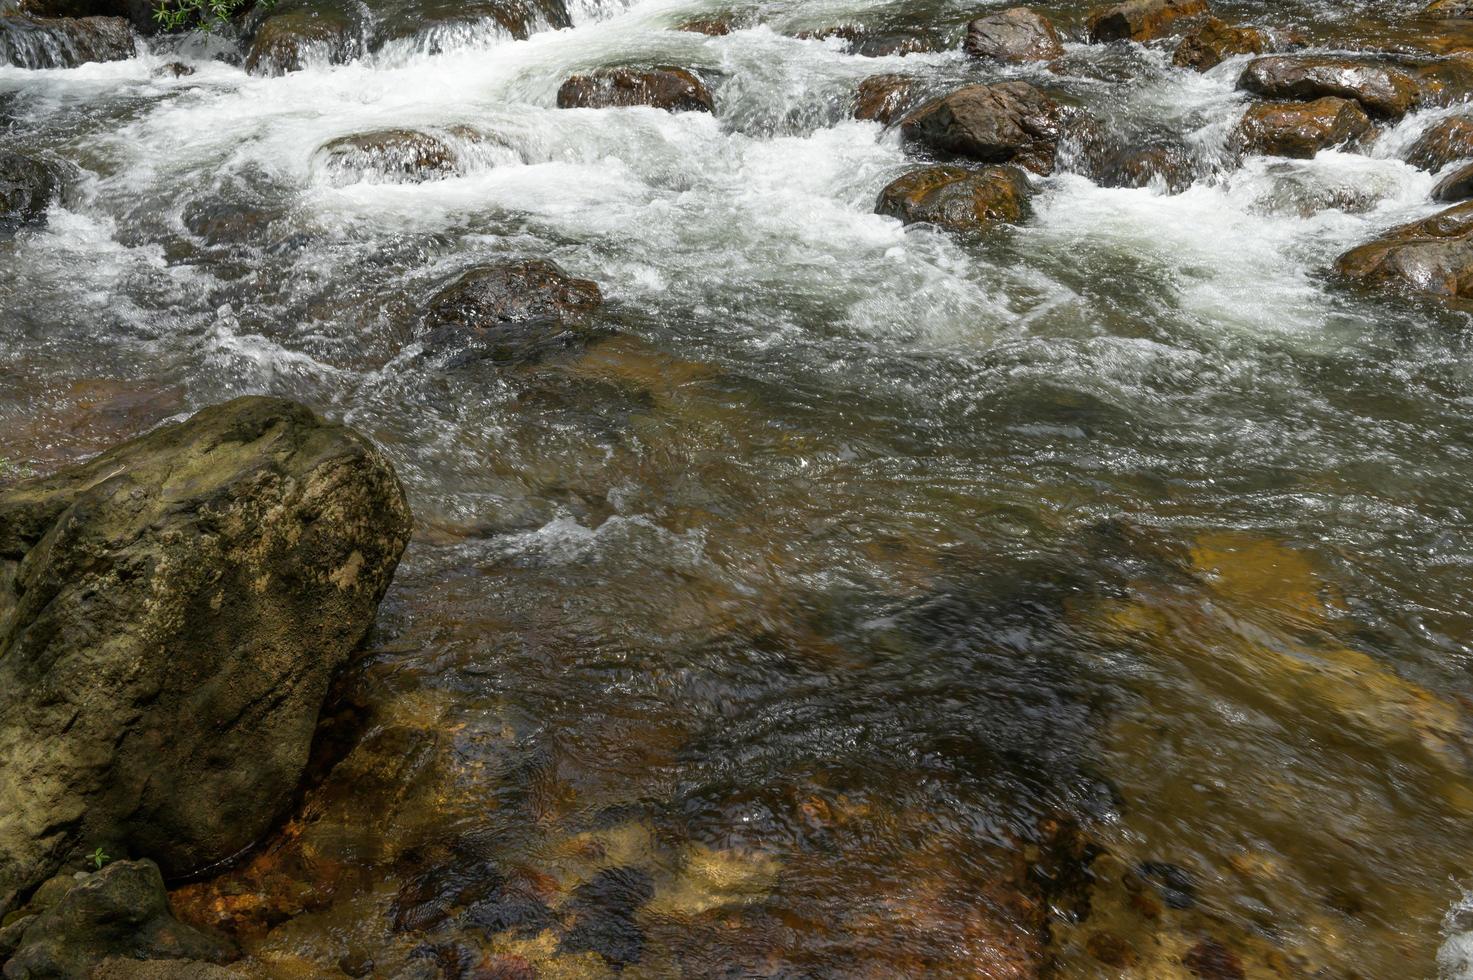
{"points": [[119, 911], [957, 199], [1301, 129], [1446, 141], [170, 615], [1215, 41], [672, 89], [1172, 165], [1140, 20], [709, 26], [394, 155], [1381, 90], [886, 98], [63, 42], [511, 310], [27, 188], [1010, 122], [1015, 34], [1434, 255]]}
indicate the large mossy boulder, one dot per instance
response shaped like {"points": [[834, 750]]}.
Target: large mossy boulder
{"points": [[120, 911], [1010, 122], [171, 613]]}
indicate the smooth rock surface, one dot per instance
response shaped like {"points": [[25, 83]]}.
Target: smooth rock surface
{"points": [[672, 89], [1301, 129], [1380, 89], [1442, 143], [1010, 122], [1215, 41], [1140, 20], [956, 198], [1434, 255], [1015, 34]]}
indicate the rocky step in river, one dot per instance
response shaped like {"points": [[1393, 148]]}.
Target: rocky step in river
{"points": [[898, 490]]}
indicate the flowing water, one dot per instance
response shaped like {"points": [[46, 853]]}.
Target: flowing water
{"points": [[856, 566]]}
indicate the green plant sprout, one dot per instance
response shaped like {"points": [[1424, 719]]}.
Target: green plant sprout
{"points": [[99, 858]]}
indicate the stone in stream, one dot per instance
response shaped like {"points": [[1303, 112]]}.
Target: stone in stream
{"points": [[1434, 255], [62, 42], [1015, 34], [393, 155], [1171, 164], [672, 89], [511, 310], [1215, 41], [957, 199], [1442, 143], [118, 911], [1456, 186], [709, 26], [1444, 81], [1381, 90], [170, 615], [1449, 9], [290, 38], [1010, 122], [1140, 20], [1301, 129], [27, 188], [139, 13], [886, 98]]}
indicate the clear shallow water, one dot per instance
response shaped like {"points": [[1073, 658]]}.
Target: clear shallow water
{"points": [[861, 559]]}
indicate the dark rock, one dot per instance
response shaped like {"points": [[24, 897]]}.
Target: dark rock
{"points": [[1010, 122], [1446, 141], [1434, 255], [290, 39], [957, 199], [1456, 186], [137, 12], [886, 98], [1301, 129], [1215, 41], [1381, 90], [27, 188], [121, 910], [878, 43], [1177, 885], [511, 311], [36, 42], [709, 26], [603, 916], [392, 155], [1140, 20], [176, 69], [1015, 34], [672, 89], [220, 222], [170, 615], [1211, 960], [1140, 167]]}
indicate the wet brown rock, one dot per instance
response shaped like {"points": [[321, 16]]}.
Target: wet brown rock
{"points": [[1449, 9], [885, 98], [511, 311], [1446, 141], [398, 155], [1381, 90], [1446, 81], [1015, 34], [64, 42], [1140, 20], [182, 600], [1011, 122], [289, 40], [1301, 129], [1456, 186], [1434, 255], [672, 89], [957, 199], [27, 188], [1211, 960], [1143, 166], [1215, 41], [709, 26]]}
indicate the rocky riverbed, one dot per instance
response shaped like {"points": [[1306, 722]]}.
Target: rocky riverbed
{"points": [[927, 489]]}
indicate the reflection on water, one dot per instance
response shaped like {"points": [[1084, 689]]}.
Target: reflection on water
{"points": [[1089, 600]]}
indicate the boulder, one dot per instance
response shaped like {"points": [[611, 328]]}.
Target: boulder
{"points": [[1215, 41], [1434, 255], [1456, 186], [1010, 122], [402, 156], [1171, 165], [1446, 141], [289, 39], [1381, 90], [1301, 129], [60, 42], [957, 199], [672, 89], [1015, 34], [1444, 81], [511, 310], [171, 613], [1140, 20], [886, 98], [27, 188], [119, 911]]}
